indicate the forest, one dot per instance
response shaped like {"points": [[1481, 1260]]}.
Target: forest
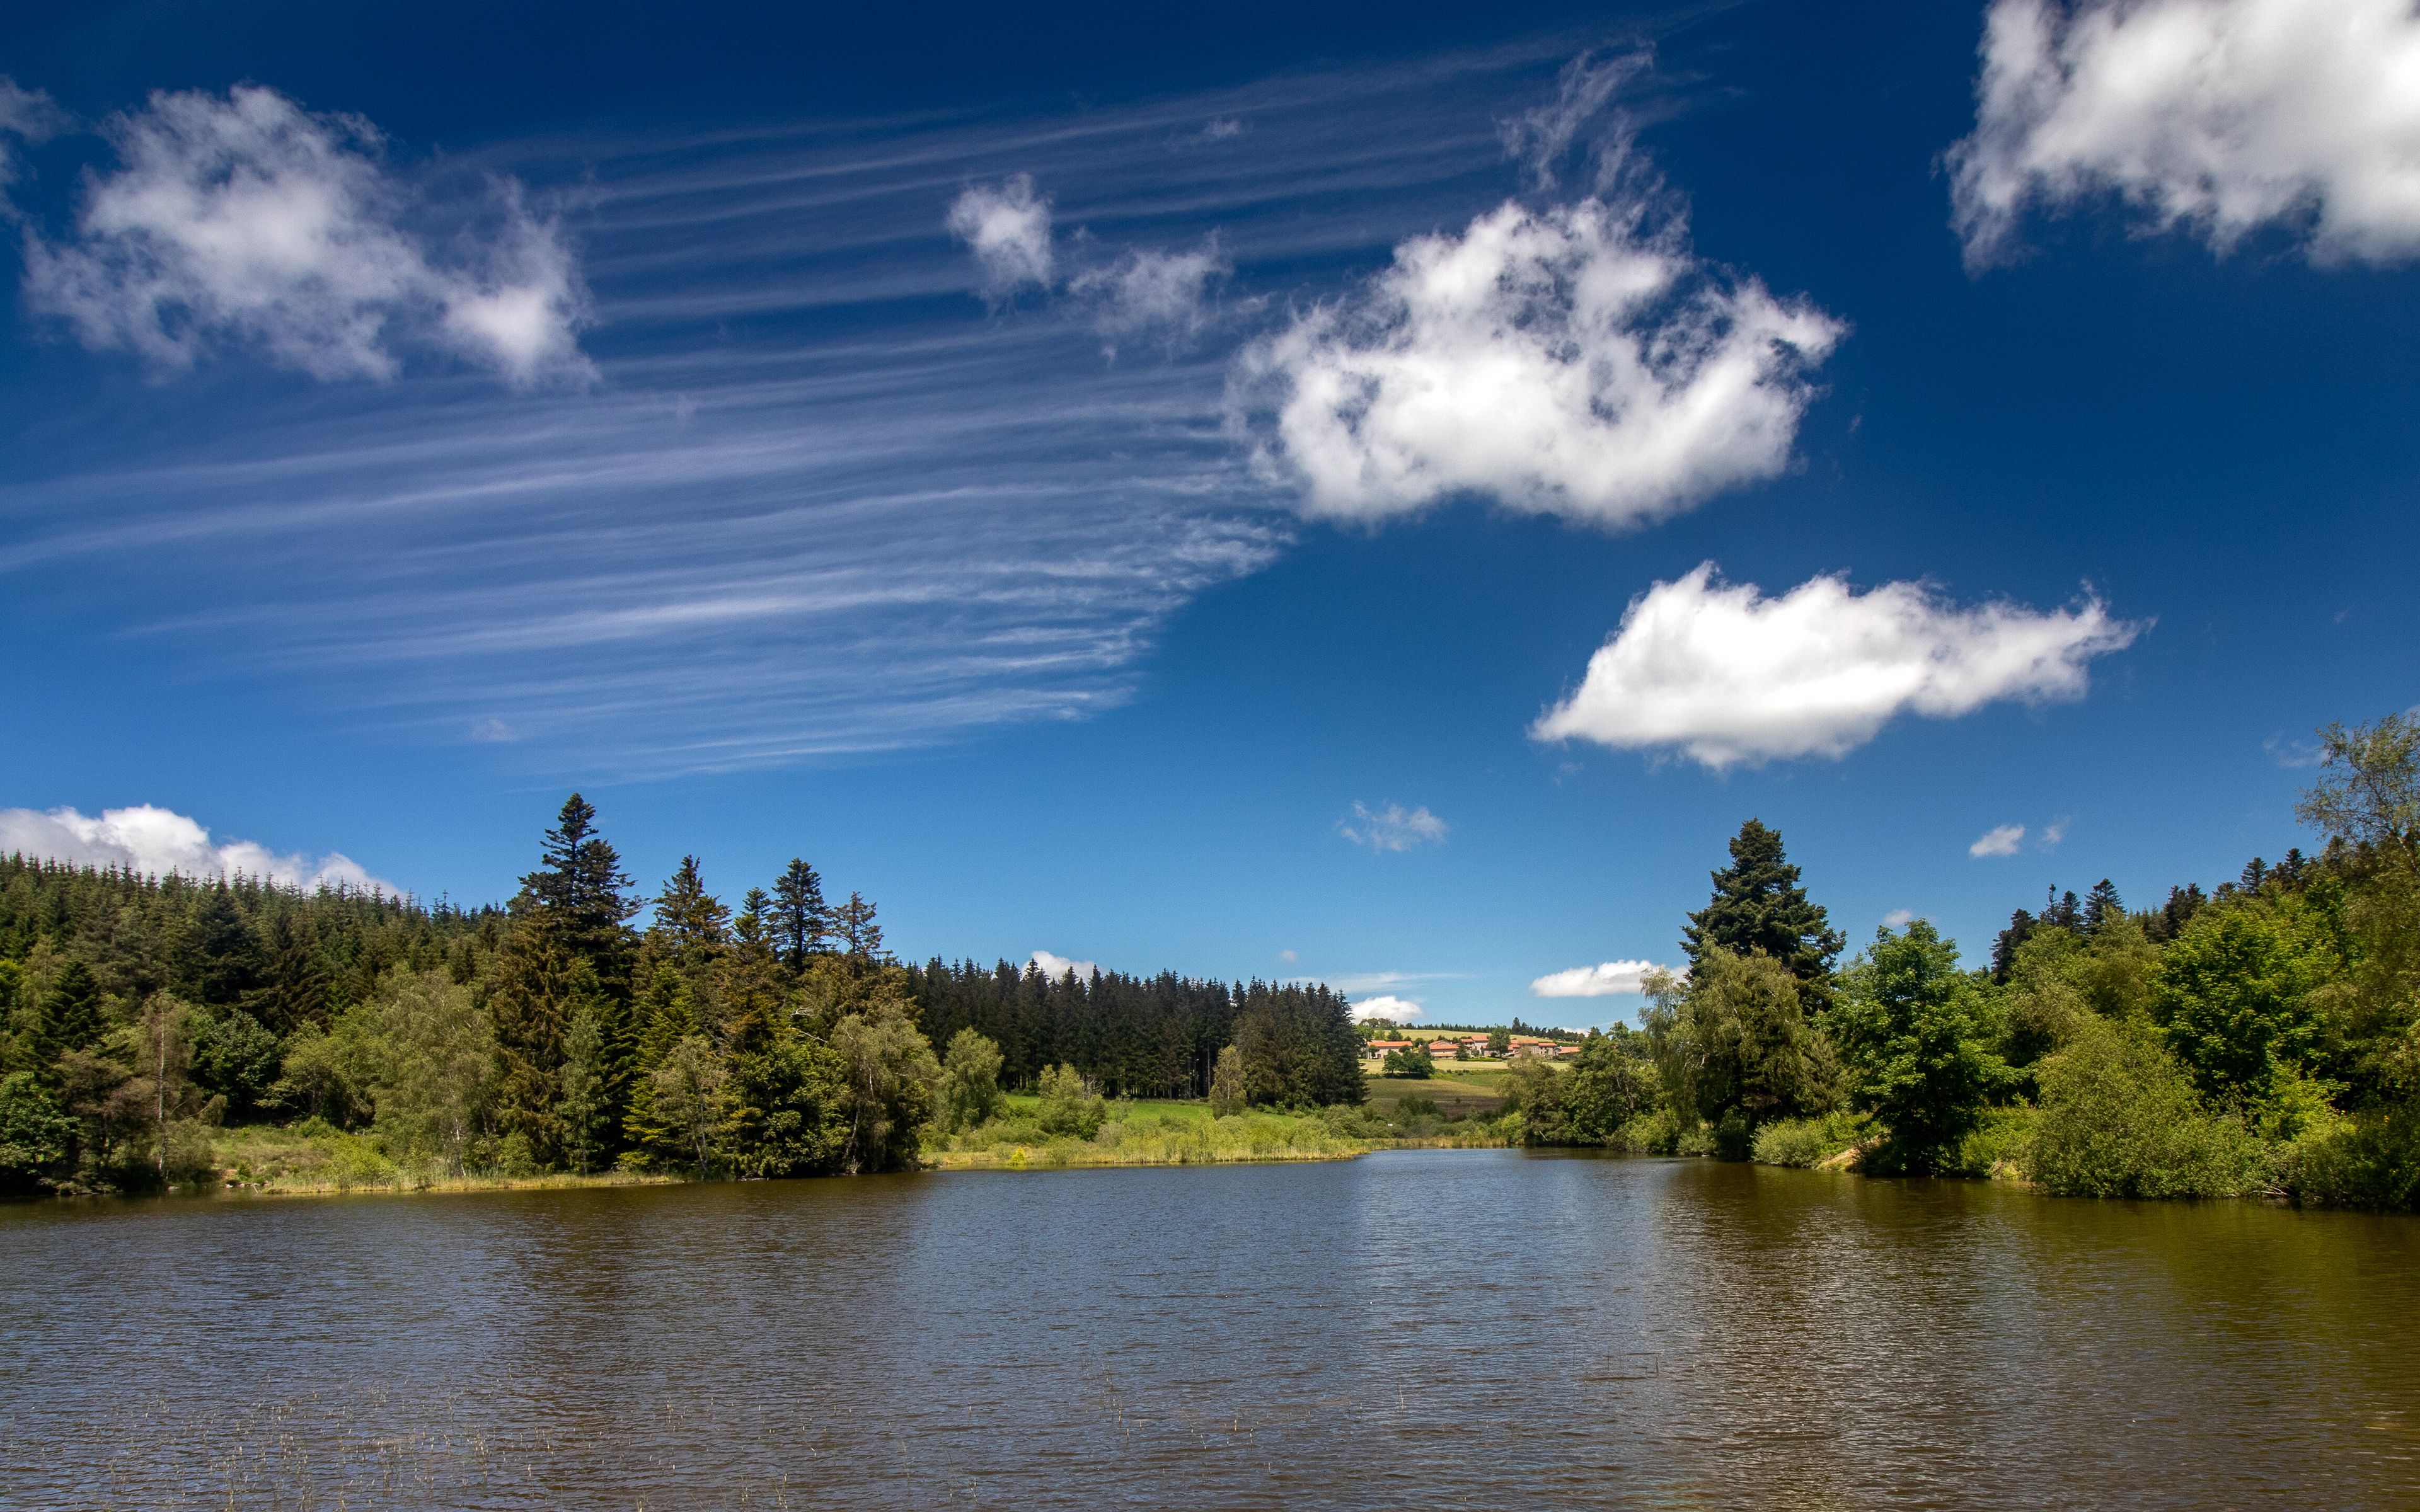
{"points": [[2262, 1036], [145, 1014]]}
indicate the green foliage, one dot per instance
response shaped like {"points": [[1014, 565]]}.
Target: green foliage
{"points": [[1227, 1083], [1918, 1035], [1070, 1106], [2370, 1159], [1416, 1063], [689, 1102], [890, 1079], [788, 1109], [1758, 909], [970, 1090], [587, 1119], [2235, 993], [1299, 1047], [2118, 1117], [430, 1061], [1594, 1100], [1803, 1142], [36, 1135], [1749, 1054], [236, 1060]]}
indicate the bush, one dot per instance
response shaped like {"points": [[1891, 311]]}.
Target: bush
{"points": [[1070, 1106], [2370, 1160], [36, 1135], [1803, 1142], [1996, 1146], [2119, 1118], [1416, 1063]]}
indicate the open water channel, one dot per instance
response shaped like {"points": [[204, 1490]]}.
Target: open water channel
{"points": [[1415, 1329]]}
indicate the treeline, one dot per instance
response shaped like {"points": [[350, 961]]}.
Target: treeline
{"points": [[2263, 1036], [139, 1015], [1155, 1037]]}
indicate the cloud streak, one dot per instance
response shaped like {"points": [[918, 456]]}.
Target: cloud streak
{"points": [[1611, 978], [1727, 676]]}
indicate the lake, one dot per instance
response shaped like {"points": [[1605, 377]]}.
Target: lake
{"points": [[1418, 1328]]}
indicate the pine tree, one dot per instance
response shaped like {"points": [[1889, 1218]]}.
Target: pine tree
{"points": [[532, 1004], [690, 925], [2101, 907], [800, 922], [1758, 905], [2060, 911], [294, 981], [577, 886], [68, 1019], [853, 924]]}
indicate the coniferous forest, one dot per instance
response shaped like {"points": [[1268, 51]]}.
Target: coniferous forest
{"points": [[2259, 1036], [558, 1033]]}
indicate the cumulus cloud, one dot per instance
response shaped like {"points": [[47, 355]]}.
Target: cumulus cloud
{"points": [[1726, 676], [1162, 295], [2002, 841], [1007, 227], [155, 841], [1390, 826], [1899, 918], [1577, 360], [1389, 1007], [1611, 979], [248, 220], [1056, 967], [2216, 116]]}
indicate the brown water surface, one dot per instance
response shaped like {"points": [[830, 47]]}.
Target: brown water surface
{"points": [[1446, 1328]]}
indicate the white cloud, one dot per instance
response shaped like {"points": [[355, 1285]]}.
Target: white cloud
{"points": [[1008, 229], [28, 115], [1540, 138], [2053, 833], [1726, 675], [1899, 918], [2003, 841], [1390, 826], [1398, 1009], [1611, 979], [1163, 294], [1222, 129], [1289, 957], [2218, 116], [249, 220], [1056, 967], [156, 841], [1579, 361]]}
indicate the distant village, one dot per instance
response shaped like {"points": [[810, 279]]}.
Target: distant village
{"points": [[1475, 1047]]}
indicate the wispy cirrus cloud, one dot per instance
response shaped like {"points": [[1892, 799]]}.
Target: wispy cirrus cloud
{"points": [[1610, 979], [812, 504]]}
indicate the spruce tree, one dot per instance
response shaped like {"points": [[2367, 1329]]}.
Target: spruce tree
{"points": [[690, 925], [800, 922], [1758, 905], [578, 887], [2101, 907]]}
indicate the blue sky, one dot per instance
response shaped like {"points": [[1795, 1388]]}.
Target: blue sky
{"points": [[1141, 487]]}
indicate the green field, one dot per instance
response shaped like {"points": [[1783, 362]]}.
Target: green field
{"points": [[1152, 1131], [1459, 1090]]}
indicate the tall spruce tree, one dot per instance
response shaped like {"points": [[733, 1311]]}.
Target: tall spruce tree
{"points": [[571, 913], [2101, 907], [1758, 905]]}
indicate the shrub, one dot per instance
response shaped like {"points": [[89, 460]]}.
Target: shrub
{"points": [[2119, 1118], [2370, 1160], [1996, 1146], [1789, 1142], [1070, 1106]]}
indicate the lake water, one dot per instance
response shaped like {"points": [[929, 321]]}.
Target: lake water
{"points": [[1446, 1328]]}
